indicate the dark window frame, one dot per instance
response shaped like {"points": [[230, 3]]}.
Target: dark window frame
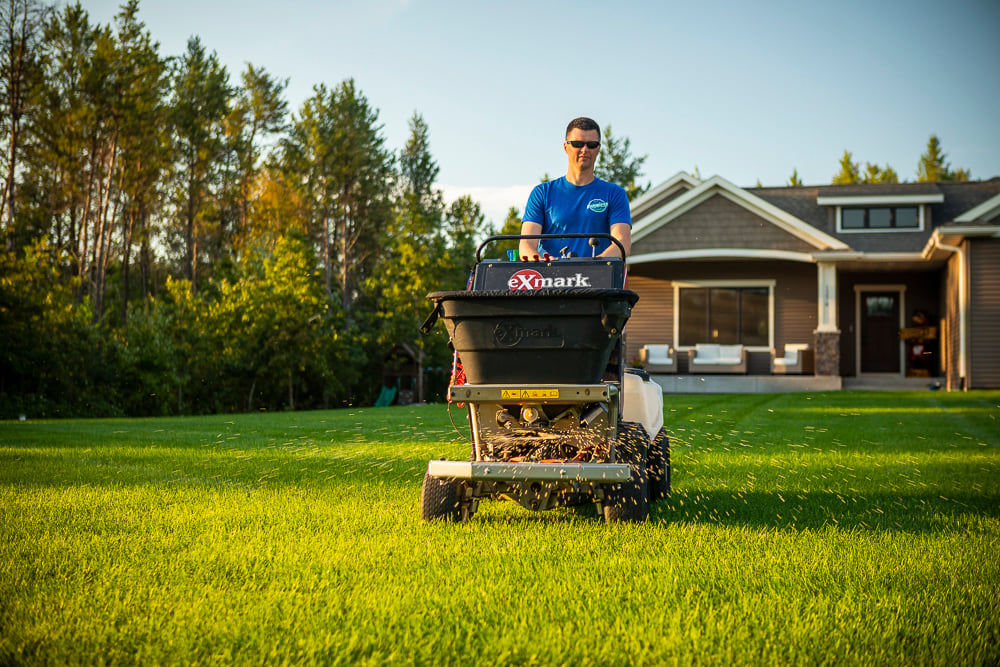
{"points": [[744, 309], [893, 218]]}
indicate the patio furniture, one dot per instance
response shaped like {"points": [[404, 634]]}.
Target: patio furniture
{"points": [[714, 358], [658, 358], [799, 359]]}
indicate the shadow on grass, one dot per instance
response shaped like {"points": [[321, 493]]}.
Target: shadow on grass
{"points": [[811, 510], [167, 467]]}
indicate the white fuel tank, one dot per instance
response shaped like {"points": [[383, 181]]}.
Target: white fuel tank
{"points": [[642, 402]]}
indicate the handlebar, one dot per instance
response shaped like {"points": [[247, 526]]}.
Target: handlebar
{"points": [[518, 237]]}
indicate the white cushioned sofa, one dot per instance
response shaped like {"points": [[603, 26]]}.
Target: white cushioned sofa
{"points": [[658, 358], [799, 358], [714, 358]]}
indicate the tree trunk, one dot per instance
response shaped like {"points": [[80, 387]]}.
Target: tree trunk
{"points": [[106, 217]]}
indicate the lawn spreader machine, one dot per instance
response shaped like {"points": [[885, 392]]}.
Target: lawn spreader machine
{"points": [[555, 416]]}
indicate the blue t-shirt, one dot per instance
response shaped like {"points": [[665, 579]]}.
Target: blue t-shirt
{"points": [[561, 207]]}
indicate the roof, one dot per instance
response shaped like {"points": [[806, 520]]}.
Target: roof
{"points": [[809, 211]]}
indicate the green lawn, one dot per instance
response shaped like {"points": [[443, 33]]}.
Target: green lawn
{"points": [[835, 528]]}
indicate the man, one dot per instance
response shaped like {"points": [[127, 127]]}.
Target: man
{"points": [[577, 203]]}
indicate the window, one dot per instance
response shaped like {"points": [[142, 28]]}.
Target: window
{"points": [[880, 306], [725, 315], [880, 217]]}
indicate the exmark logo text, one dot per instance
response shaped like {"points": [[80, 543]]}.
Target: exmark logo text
{"points": [[510, 334], [528, 279]]}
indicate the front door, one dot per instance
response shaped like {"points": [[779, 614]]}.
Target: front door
{"points": [[879, 332]]}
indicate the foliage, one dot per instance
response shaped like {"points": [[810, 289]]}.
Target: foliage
{"points": [[51, 362], [179, 244], [199, 108], [934, 167], [618, 165]]}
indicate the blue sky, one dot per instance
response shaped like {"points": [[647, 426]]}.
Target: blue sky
{"points": [[746, 90]]}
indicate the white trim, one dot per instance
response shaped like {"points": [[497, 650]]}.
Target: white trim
{"points": [[889, 257], [921, 217], [673, 184], [986, 211], [826, 298], [880, 200], [971, 230], [749, 282], [858, 291], [703, 253], [963, 306], [720, 186]]}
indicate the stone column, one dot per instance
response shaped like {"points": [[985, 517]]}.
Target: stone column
{"points": [[828, 353]]}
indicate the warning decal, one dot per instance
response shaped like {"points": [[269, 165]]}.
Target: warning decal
{"points": [[519, 394]]}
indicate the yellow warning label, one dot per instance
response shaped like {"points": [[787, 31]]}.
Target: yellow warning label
{"points": [[529, 394]]}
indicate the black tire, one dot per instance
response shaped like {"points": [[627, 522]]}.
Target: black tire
{"points": [[658, 467], [629, 501], [440, 499]]}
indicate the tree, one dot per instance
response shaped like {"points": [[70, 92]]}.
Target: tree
{"points": [[511, 227], [21, 23], [617, 164], [144, 83], [276, 338], [794, 180], [260, 111], [200, 105], [876, 174], [849, 171], [61, 159], [415, 259], [335, 154], [934, 167], [465, 222]]}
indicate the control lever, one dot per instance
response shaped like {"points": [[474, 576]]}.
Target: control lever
{"points": [[594, 242]]}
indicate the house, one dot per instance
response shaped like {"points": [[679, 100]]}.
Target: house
{"points": [[887, 280]]}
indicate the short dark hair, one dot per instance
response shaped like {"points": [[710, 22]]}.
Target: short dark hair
{"points": [[585, 124]]}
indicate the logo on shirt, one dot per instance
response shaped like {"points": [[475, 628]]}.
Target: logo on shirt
{"points": [[597, 206]]}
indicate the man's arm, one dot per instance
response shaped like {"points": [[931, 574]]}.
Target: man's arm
{"points": [[529, 247], [621, 231]]}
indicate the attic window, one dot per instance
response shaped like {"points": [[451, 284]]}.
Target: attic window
{"points": [[877, 218]]}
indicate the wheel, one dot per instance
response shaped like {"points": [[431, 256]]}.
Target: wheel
{"points": [[629, 501], [659, 467], [440, 499]]}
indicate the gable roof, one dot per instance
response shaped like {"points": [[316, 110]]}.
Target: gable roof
{"points": [[674, 186], [651, 220], [988, 211]]}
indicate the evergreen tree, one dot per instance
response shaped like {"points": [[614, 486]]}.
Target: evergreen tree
{"points": [[934, 167], [465, 222], [200, 106], [260, 111], [21, 27], [617, 164], [335, 155], [414, 260], [849, 171], [145, 145]]}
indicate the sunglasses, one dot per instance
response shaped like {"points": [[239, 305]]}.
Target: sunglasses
{"points": [[580, 144]]}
